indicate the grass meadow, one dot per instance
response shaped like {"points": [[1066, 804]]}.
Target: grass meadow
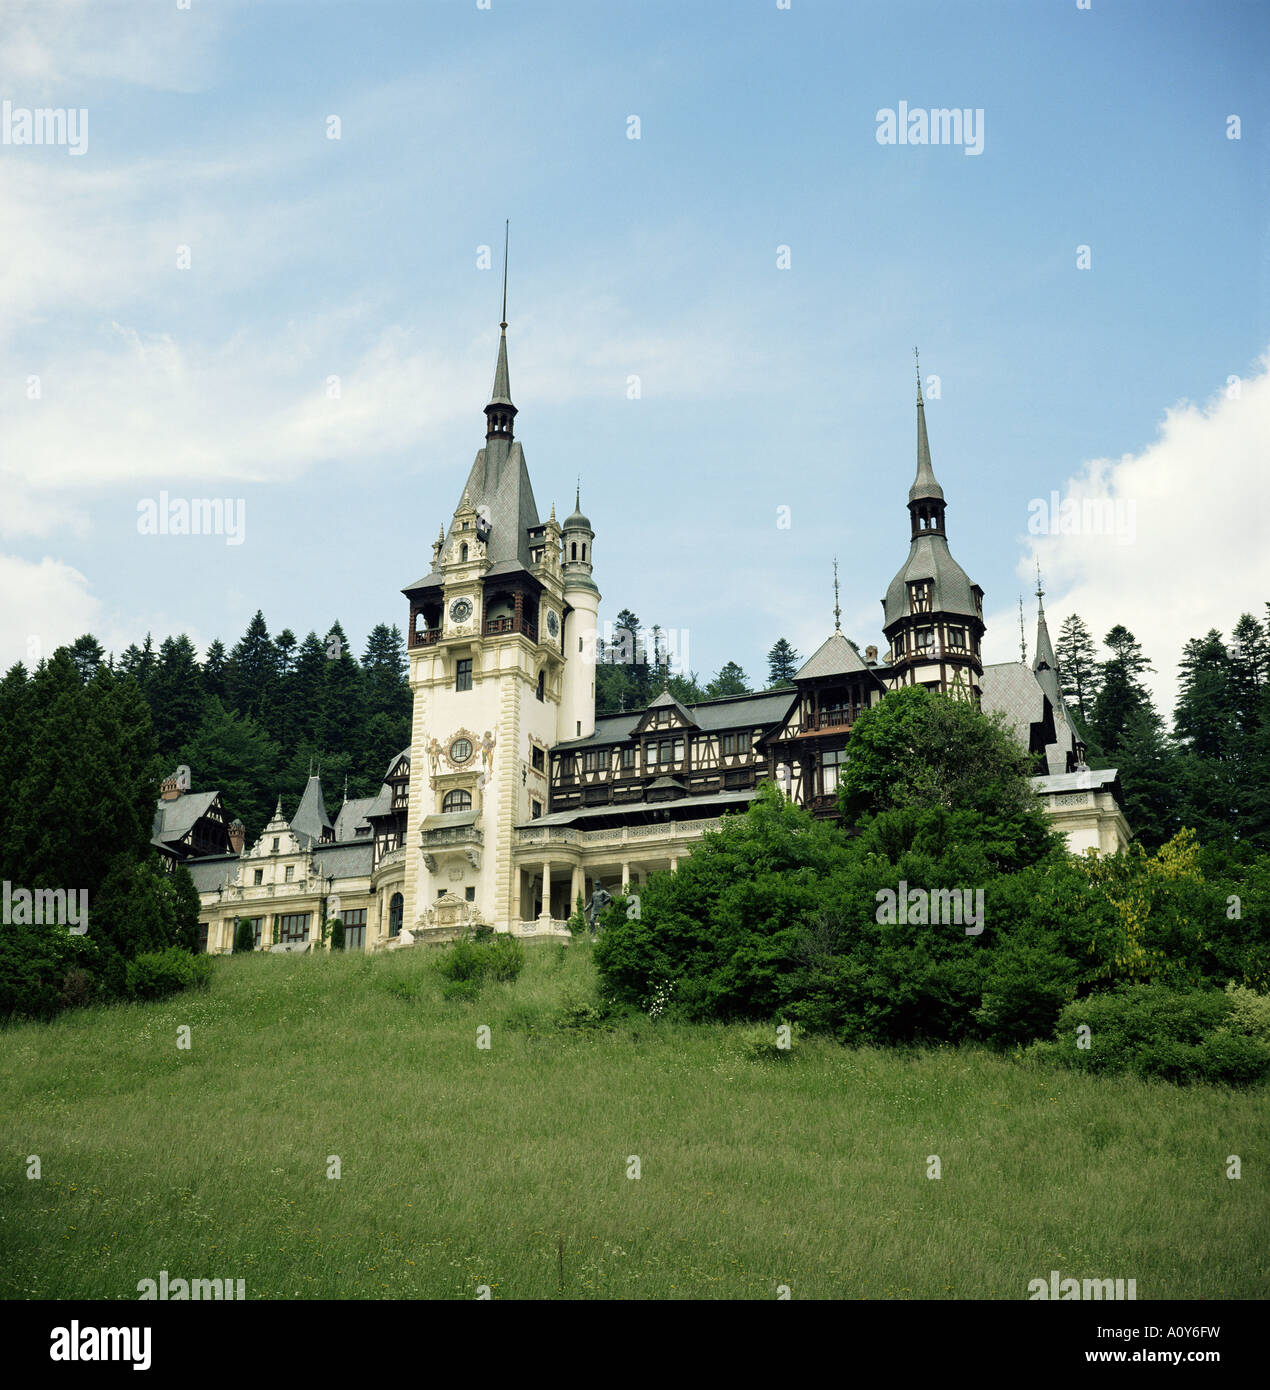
{"points": [[507, 1168]]}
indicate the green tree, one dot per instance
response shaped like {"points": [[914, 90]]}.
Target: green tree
{"points": [[233, 754], [920, 749], [782, 664], [216, 672], [1077, 666], [176, 695], [730, 680], [253, 674], [87, 654], [1122, 693]]}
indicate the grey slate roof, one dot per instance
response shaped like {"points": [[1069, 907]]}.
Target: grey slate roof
{"points": [[175, 819], [766, 708], [345, 861], [667, 701], [216, 871], [930, 558], [1014, 690], [310, 819], [350, 815], [834, 657]]}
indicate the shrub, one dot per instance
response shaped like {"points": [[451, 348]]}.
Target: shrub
{"points": [[471, 963], [760, 1043], [158, 974], [584, 1015], [1152, 1031], [1249, 1012], [244, 936], [337, 934]]}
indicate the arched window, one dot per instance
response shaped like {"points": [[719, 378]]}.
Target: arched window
{"points": [[542, 684], [394, 915], [573, 551], [584, 550], [463, 552], [459, 800]]}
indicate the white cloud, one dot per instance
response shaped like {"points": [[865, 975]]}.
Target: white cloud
{"points": [[1199, 555]]}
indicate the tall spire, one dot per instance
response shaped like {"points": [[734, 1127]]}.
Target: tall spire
{"points": [[837, 612], [925, 497], [500, 412], [1045, 658]]}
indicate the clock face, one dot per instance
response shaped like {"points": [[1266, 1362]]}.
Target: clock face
{"points": [[460, 750], [460, 610], [553, 623]]}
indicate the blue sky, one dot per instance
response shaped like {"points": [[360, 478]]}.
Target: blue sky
{"points": [[656, 258]]}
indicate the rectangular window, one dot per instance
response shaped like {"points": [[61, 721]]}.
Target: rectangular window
{"points": [[202, 936], [679, 750], [535, 810], [275, 845], [290, 873], [463, 674], [258, 877], [257, 929], [830, 771], [537, 758], [957, 637], [628, 759], [925, 639], [729, 745], [664, 752], [469, 894], [294, 926], [588, 762], [354, 929]]}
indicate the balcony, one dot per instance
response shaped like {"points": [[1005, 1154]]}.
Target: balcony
{"points": [[498, 627], [429, 637]]}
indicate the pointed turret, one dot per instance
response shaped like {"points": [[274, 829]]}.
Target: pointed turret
{"points": [[926, 497], [1045, 663], [500, 412]]}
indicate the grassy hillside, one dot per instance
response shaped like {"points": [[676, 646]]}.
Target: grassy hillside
{"points": [[507, 1167]]}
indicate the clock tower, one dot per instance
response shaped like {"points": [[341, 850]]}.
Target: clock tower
{"points": [[491, 682]]}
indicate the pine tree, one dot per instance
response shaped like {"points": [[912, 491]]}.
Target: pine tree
{"points": [[87, 654], [234, 755], [1249, 671], [176, 695], [782, 665], [139, 662], [253, 673], [342, 697], [1122, 693], [1205, 719], [1077, 666], [304, 703], [285, 643], [216, 671], [386, 699], [731, 680], [1149, 776]]}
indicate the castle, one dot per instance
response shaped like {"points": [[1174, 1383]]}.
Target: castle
{"points": [[514, 802]]}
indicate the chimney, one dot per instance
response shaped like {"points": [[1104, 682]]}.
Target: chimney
{"points": [[871, 656], [237, 834], [170, 788]]}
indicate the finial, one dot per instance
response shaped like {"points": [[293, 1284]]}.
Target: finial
{"points": [[506, 238], [1040, 592], [918, 361], [1022, 634], [553, 511], [837, 612], [577, 495]]}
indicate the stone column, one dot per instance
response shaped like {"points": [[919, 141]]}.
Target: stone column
{"points": [[577, 886], [626, 874], [546, 890]]}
